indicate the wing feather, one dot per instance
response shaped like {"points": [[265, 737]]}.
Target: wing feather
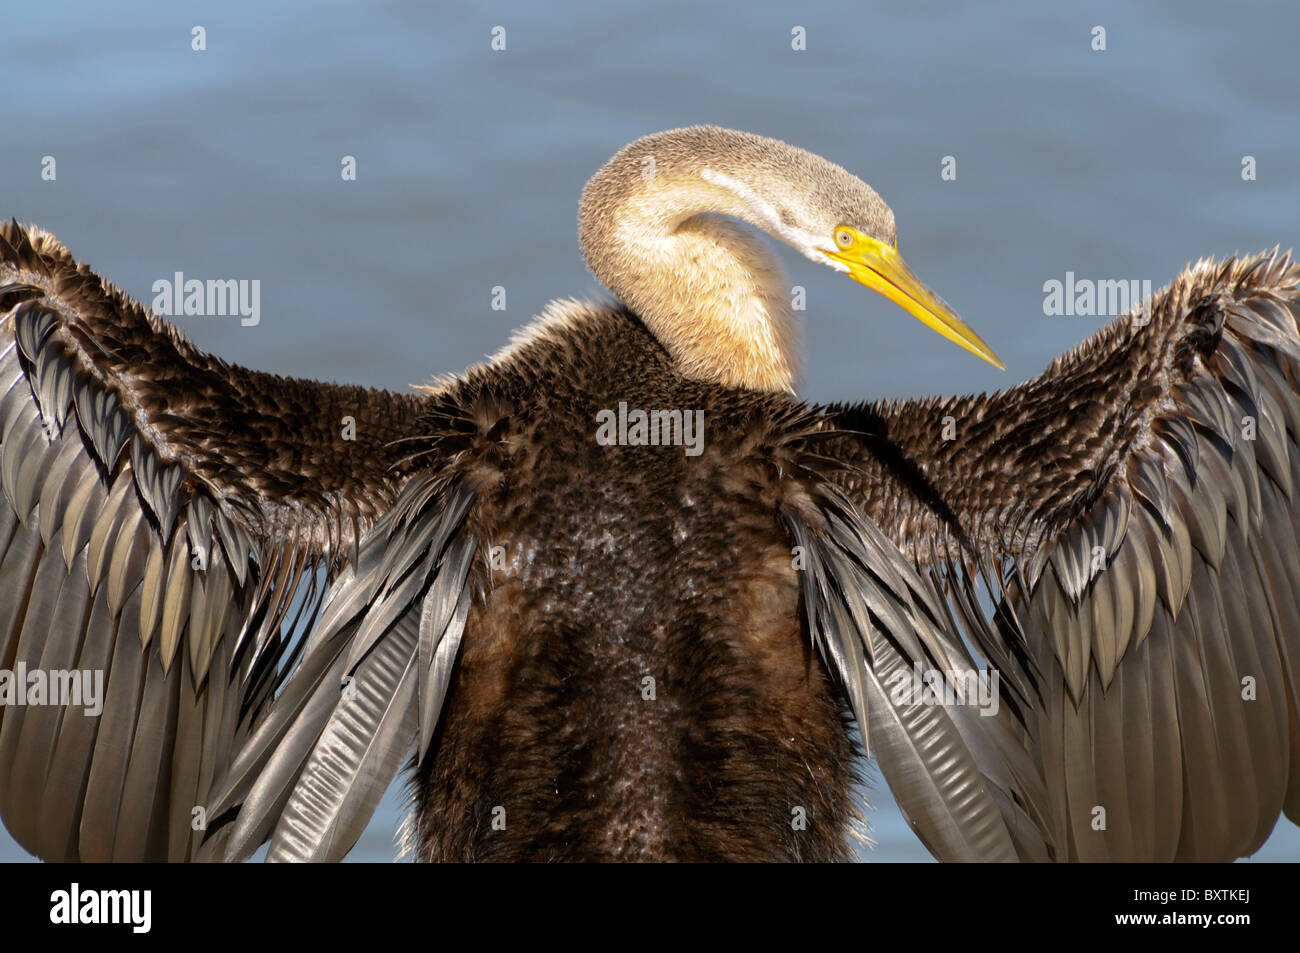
{"points": [[315, 770], [955, 783], [147, 565], [1154, 544]]}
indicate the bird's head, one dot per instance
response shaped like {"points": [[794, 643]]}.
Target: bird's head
{"points": [[836, 219], [874, 261], [652, 227]]}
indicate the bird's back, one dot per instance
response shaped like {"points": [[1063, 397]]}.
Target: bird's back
{"points": [[636, 683]]}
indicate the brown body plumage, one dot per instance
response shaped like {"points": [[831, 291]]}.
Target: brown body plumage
{"points": [[686, 579], [623, 649]]}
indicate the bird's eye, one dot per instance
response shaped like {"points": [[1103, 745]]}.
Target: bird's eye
{"points": [[843, 237]]}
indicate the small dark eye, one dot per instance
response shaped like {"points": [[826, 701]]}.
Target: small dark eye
{"points": [[843, 237]]}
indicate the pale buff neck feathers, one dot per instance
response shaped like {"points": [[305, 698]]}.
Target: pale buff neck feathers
{"points": [[707, 288], [657, 228]]}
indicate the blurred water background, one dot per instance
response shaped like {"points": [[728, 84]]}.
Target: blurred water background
{"points": [[1117, 164]]}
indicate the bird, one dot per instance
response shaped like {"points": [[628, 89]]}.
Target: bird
{"points": [[618, 593]]}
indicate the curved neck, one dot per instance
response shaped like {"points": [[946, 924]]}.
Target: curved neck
{"points": [[709, 289]]}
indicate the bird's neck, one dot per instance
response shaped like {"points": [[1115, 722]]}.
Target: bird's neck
{"points": [[709, 290]]}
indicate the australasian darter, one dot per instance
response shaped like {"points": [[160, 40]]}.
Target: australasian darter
{"points": [[623, 650]]}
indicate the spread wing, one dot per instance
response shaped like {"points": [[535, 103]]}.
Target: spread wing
{"points": [[169, 521], [1132, 512]]}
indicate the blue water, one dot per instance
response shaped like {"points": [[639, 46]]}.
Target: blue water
{"points": [[1117, 164]]}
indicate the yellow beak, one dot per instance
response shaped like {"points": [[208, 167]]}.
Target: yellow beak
{"points": [[882, 269]]}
